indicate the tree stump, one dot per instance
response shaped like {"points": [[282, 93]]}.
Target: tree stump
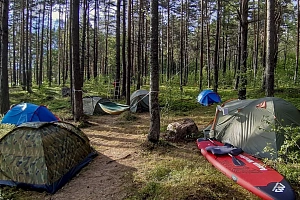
{"points": [[181, 131]]}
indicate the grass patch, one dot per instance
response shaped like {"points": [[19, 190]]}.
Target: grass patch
{"points": [[179, 173], [128, 116]]}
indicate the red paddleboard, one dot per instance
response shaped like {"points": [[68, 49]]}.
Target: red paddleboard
{"points": [[248, 171]]}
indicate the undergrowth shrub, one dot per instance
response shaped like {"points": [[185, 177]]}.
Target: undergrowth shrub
{"points": [[288, 157]]}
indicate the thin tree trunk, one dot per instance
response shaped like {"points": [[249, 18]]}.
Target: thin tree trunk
{"points": [[107, 8], [23, 49], [139, 53], [238, 61], [124, 50], [256, 41], [50, 72], [40, 77], [88, 63], [83, 52], [208, 45], [181, 49], [201, 48], [216, 52], [128, 72], [118, 54], [297, 44], [244, 34], [27, 41], [168, 42], [59, 56], [95, 63], [14, 69], [264, 51]]}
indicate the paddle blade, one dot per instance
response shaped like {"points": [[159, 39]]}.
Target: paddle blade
{"points": [[236, 161]]}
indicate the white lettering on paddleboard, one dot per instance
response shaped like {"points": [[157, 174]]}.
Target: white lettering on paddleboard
{"points": [[279, 187], [254, 163]]}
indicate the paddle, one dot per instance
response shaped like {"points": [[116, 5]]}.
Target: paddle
{"points": [[235, 161]]}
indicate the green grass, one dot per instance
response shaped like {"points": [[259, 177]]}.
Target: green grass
{"points": [[177, 173]]}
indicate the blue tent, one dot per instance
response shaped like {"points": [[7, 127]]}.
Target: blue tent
{"points": [[208, 97], [27, 112]]}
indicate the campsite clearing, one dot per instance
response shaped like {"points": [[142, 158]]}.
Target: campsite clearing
{"points": [[125, 169]]}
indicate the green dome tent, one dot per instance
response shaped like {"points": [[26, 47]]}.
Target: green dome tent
{"points": [[251, 124], [43, 155]]}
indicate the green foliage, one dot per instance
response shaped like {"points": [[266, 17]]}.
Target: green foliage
{"points": [[288, 160]]}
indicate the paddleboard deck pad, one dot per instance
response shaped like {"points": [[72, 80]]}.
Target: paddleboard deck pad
{"points": [[246, 170]]}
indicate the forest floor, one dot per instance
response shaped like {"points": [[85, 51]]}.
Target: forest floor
{"points": [[123, 158], [110, 174], [118, 144]]}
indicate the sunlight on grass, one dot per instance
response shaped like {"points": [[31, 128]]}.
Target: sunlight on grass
{"points": [[181, 176], [5, 128]]}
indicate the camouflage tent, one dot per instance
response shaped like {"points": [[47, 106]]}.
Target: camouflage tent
{"points": [[43, 155]]}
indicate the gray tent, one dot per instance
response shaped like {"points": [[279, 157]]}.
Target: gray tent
{"points": [[91, 106], [139, 101], [251, 124]]}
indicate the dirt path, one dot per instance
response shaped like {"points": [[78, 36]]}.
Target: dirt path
{"points": [[118, 143]]}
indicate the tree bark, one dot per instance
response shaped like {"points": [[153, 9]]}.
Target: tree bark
{"points": [[77, 93], [201, 48], [40, 76], [244, 54], [124, 50], [95, 63], [216, 52], [4, 95], [154, 132], [297, 44], [270, 50], [128, 71], [118, 54]]}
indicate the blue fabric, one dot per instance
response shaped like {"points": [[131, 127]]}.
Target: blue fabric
{"points": [[208, 97], [221, 150], [27, 112]]}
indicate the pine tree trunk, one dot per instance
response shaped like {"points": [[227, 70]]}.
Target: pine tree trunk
{"points": [[40, 76], [154, 132], [77, 93], [244, 34], [4, 91], [95, 67], [297, 44], [216, 52], [128, 71], [270, 50], [124, 50], [118, 54]]}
